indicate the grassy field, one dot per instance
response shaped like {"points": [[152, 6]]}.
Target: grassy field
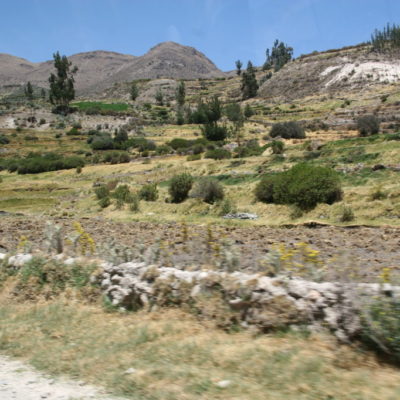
{"points": [[68, 192], [174, 356], [86, 105]]}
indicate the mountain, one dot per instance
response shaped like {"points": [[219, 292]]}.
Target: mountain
{"points": [[101, 69]]}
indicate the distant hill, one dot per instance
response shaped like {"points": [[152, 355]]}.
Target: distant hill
{"points": [[100, 69], [332, 71]]}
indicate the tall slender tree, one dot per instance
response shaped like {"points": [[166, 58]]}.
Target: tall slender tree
{"points": [[180, 94], [28, 91], [239, 66], [62, 89], [249, 82], [134, 91]]}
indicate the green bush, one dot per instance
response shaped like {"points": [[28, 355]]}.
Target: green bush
{"points": [[4, 139], [287, 130], [163, 149], [122, 193], [149, 192], [214, 132], [304, 186], [104, 202], [116, 157], [368, 125], [381, 326], [101, 141], [73, 132], [278, 147], [218, 154], [264, 190], [101, 192], [208, 189], [35, 163], [180, 186], [179, 143]]}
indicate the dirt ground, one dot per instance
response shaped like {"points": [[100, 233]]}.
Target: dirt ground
{"points": [[363, 249], [19, 381]]}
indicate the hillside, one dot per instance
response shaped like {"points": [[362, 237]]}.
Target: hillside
{"points": [[343, 70], [101, 69]]}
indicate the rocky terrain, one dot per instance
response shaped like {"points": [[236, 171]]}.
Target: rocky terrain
{"points": [[363, 250], [342, 71]]}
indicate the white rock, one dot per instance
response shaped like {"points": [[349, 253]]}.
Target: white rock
{"points": [[223, 384]]}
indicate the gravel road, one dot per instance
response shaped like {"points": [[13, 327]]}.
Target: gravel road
{"points": [[21, 382]]}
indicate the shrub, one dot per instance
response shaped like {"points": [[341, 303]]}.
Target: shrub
{"points": [[214, 132], [73, 131], [4, 139], [179, 143], [303, 185], [134, 203], [306, 185], [227, 207], [277, 147], [381, 326], [116, 157], [218, 154], [346, 214], [101, 141], [368, 125], [180, 186], [264, 190], [207, 189], [42, 121], [102, 191], [378, 194], [163, 149], [149, 192], [122, 193], [197, 148], [288, 130], [104, 202], [36, 163]]}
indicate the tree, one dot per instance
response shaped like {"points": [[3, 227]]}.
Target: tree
{"points": [[180, 94], [62, 83], [235, 115], [28, 91], [249, 82], [278, 57], [386, 39], [238, 67], [134, 91], [43, 94], [159, 97]]}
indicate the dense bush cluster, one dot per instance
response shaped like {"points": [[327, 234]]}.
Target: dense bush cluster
{"points": [[304, 186], [35, 163], [287, 130], [148, 192]]}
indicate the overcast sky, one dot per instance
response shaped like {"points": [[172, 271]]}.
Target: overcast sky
{"points": [[225, 30]]}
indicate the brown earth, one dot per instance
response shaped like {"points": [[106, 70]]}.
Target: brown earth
{"points": [[363, 249]]}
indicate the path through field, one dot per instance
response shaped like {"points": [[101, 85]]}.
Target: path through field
{"points": [[19, 381]]}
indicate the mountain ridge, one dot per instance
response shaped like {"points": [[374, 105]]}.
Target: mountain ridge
{"points": [[98, 69]]}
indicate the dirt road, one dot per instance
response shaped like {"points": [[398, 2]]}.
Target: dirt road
{"points": [[21, 382]]}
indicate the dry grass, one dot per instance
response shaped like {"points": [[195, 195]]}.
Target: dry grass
{"points": [[176, 357]]}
